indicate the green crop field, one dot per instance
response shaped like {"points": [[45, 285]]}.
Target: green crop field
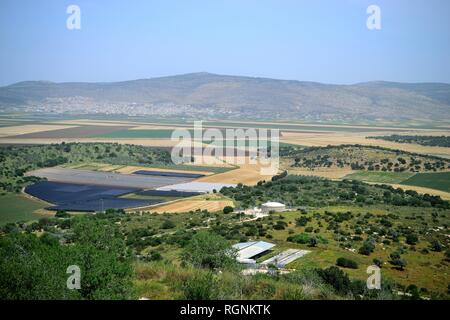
{"points": [[299, 127], [380, 176], [137, 134], [434, 180], [14, 207]]}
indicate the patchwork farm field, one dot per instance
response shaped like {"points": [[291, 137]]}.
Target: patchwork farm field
{"points": [[132, 134], [434, 180], [68, 132], [31, 129], [146, 131], [301, 127]]}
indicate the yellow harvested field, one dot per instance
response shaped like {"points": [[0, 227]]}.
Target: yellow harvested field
{"points": [[211, 161], [247, 174], [110, 168], [30, 128], [131, 169], [191, 205], [324, 139], [444, 195]]}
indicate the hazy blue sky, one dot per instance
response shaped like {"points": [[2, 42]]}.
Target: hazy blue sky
{"points": [[315, 40]]}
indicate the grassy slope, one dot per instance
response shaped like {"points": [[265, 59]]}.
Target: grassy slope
{"points": [[434, 180], [426, 271], [14, 207], [380, 176]]}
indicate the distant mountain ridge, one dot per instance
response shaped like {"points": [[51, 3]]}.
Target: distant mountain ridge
{"points": [[209, 94]]}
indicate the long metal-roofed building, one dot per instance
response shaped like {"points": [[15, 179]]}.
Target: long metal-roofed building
{"points": [[247, 251]]}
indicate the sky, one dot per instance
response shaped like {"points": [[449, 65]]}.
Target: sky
{"points": [[309, 40]]}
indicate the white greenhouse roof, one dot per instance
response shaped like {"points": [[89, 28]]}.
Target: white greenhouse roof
{"points": [[248, 250]]}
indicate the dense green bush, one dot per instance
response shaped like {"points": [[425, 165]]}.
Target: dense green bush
{"points": [[346, 263], [301, 238], [34, 267], [209, 250], [202, 286], [335, 277]]}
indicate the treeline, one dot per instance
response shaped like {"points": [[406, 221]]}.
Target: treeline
{"points": [[358, 157], [434, 141], [16, 160], [313, 191]]}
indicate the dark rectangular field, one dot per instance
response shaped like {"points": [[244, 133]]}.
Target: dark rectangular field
{"points": [[169, 174], [79, 197], [109, 179], [57, 192]]}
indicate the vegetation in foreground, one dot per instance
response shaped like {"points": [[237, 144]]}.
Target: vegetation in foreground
{"points": [[182, 256], [34, 267], [346, 225]]}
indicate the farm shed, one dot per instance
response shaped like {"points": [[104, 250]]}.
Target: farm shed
{"points": [[247, 251]]}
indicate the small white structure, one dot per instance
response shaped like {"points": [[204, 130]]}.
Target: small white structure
{"points": [[255, 212], [273, 206]]}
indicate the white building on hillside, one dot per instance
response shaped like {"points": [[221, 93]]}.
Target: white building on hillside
{"points": [[273, 206]]}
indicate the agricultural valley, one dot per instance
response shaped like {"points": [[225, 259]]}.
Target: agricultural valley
{"points": [[353, 195]]}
